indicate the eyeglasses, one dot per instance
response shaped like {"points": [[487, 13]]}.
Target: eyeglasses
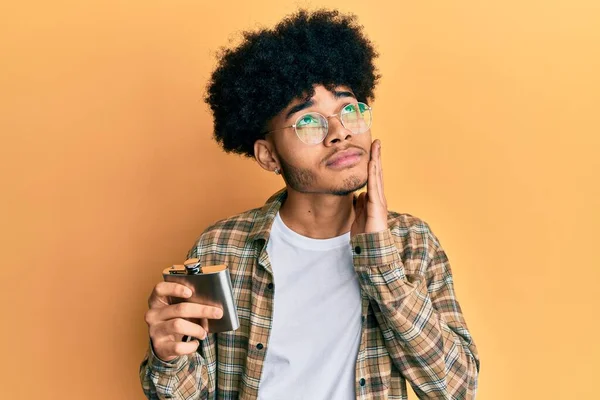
{"points": [[312, 127]]}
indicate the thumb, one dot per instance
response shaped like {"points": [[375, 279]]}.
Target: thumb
{"points": [[360, 204]]}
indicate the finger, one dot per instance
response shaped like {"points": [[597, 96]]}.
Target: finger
{"points": [[360, 205], [372, 173], [204, 324], [189, 310], [380, 165], [363, 211], [162, 291], [177, 348], [364, 197], [372, 184], [380, 174], [177, 327]]}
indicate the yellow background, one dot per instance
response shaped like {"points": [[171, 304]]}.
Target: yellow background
{"points": [[488, 115]]}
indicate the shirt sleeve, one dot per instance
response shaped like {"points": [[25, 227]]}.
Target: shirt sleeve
{"points": [[420, 318], [185, 377]]}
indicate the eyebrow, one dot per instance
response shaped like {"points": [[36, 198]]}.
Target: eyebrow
{"points": [[310, 102]]}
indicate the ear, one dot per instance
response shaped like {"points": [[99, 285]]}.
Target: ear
{"points": [[265, 155]]}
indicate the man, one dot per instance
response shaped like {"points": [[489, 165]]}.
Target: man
{"points": [[338, 298]]}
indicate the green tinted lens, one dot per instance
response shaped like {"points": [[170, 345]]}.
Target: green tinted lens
{"points": [[311, 128], [356, 117]]}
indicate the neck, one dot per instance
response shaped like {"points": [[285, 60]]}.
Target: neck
{"points": [[317, 215]]}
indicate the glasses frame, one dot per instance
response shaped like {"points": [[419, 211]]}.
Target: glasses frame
{"points": [[338, 115]]}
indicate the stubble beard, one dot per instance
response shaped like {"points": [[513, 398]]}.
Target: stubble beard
{"points": [[302, 180]]}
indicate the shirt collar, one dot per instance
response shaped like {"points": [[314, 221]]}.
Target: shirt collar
{"points": [[266, 215]]}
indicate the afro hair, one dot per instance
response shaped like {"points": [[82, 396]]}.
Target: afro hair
{"points": [[259, 78]]}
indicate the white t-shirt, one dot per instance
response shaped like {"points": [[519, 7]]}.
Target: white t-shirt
{"points": [[316, 328]]}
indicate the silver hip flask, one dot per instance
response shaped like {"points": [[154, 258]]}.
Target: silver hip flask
{"points": [[211, 286]]}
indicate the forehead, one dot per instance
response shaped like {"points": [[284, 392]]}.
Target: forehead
{"points": [[321, 95]]}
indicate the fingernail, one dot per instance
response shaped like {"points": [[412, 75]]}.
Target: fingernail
{"points": [[218, 313], [187, 292]]}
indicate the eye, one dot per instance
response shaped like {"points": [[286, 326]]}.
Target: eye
{"points": [[307, 120], [350, 108]]}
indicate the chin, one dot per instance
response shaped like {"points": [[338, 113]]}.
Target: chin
{"points": [[349, 185]]}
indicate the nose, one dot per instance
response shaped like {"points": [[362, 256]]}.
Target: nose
{"points": [[336, 132]]}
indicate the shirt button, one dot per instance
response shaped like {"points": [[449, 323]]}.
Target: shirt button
{"points": [[270, 286], [259, 346], [362, 381], [357, 249]]}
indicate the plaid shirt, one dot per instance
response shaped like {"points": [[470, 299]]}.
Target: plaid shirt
{"points": [[412, 328]]}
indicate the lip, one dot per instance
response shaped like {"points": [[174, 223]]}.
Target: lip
{"points": [[344, 158]]}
